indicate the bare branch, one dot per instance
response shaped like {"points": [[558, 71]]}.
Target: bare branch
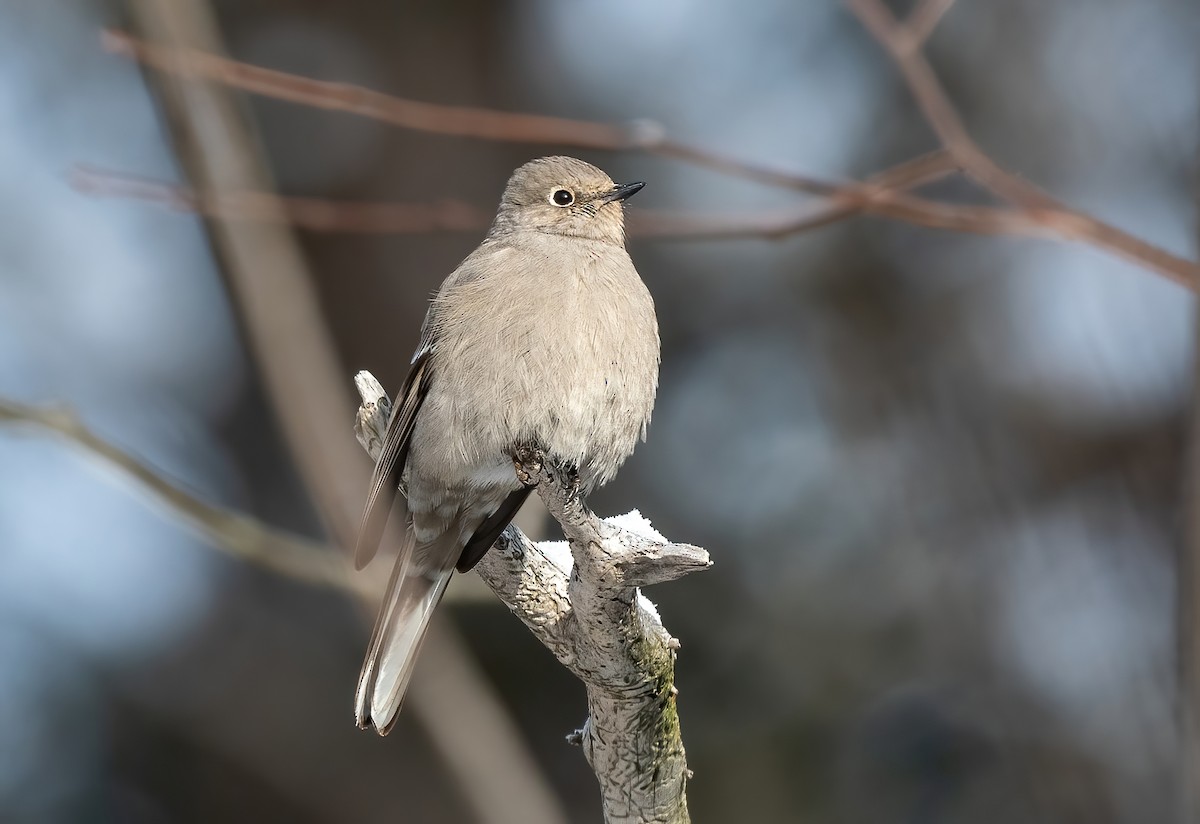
{"points": [[321, 215], [455, 708], [1038, 215], [460, 121], [882, 199], [922, 21], [586, 609], [404, 218], [311, 214], [240, 536], [939, 112], [1036, 204]]}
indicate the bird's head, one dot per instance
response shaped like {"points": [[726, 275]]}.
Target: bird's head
{"points": [[564, 196]]}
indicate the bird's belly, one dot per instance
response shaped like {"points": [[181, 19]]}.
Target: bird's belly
{"points": [[584, 415], [590, 424], [574, 372]]}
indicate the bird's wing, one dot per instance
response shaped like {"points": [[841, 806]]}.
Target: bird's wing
{"points": [[390, 467], [487, 532]]}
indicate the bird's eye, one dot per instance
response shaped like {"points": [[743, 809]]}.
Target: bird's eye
{"points": [[562, 198]]}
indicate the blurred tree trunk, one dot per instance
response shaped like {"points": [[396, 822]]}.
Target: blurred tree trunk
{"points": [[282, 319], [1187, 597]]}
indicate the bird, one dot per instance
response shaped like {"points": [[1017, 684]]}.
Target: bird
{"points": [[544, 337]]}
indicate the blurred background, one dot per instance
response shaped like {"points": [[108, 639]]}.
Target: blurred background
{"points": [[942, 476]]}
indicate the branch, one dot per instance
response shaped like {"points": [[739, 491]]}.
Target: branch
{"points": [[937, 109], [467, 121], [586, 609], [240, 536], [1037, 215], [922, 21], [882, 196], [371, 217], [457, 121], [904, 48], [473, 727], [879, 194], [309, 213]]}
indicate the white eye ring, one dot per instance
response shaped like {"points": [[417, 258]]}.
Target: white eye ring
{"points": [[562, 197]]}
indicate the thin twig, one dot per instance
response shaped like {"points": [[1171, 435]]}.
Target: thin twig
{"points": [[1038, 215], [946, 123], [321, 215], [459, 121], [465, 121], [884, 200], [937, 109], [308, 213], [366, 217], [240, 536], [315, 214]]}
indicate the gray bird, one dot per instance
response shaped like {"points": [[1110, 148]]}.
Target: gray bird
{"points": [[545, 336]]}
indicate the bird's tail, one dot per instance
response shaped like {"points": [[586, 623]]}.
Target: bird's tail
{"points": [[403, 620]]}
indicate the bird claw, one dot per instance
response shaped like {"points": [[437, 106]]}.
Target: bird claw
{"points": [[573, 493], [528, 464]]}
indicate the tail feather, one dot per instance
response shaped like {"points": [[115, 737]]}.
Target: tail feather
{"points": [[403, 621], [419, 578]]}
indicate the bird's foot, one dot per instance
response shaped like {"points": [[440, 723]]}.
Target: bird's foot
{"points": [[527, 461], [573, 480]]}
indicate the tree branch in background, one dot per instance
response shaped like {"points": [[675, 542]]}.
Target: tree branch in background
{"points": [[371, 217], [462, 717], [936, 107], [457, 121], [321, 215], [310, 214], [242, 537], [897, 39], [903, 43], [1034, 214], [585, 607], [922, 21], [297, 361]]}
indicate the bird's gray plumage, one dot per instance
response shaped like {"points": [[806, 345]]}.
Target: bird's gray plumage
{"points": [[544, 336]]}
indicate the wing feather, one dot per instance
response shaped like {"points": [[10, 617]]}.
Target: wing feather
{"points": [[389, 469], [487, 532]]}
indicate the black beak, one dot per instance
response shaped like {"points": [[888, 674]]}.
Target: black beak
{"points": [[622, 191]]}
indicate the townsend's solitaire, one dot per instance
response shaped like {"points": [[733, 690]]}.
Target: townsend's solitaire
{"points": [[544, 337]]}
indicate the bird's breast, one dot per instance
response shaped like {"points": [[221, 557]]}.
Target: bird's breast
{"points": [[566, 359]]}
